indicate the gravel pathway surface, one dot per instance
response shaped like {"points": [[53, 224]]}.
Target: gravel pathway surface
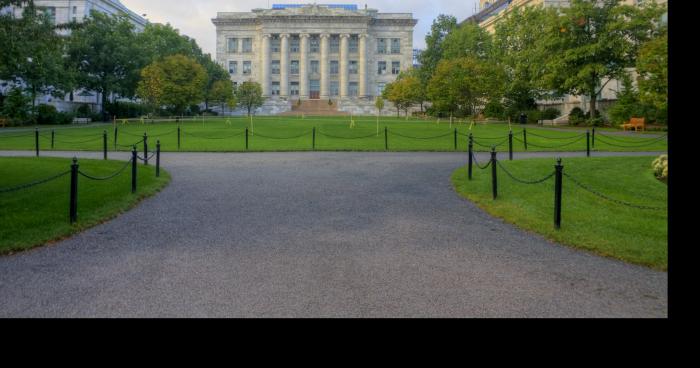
{"points": [[318, 235]]}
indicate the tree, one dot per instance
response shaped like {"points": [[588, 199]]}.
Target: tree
{"points": [[222, 93], [216, 75], [467, 40], [249, 95], [465, 85], [627, 104], [177, 81], [652, 66], [379, 104], [594, 41], [105, 51], [433, 53]]}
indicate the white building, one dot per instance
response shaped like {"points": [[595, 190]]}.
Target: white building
{"points": [[316, 52]]}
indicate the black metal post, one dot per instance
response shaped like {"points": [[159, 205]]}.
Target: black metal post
{"points": [[510, 145], [133, 169], [525, 138], [104, 143], [494, 173], [557, 193], [178, 137], [36, 141], [386, 138], [588, 143], [593, 138], [158, 158], [74, 191], [145, 149], [116, 132], [455, 139], [53, 134], [313, 139], [246, 139], [471, 154]]}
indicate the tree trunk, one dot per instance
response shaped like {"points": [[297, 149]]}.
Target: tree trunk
{"points": [[593, 105]]}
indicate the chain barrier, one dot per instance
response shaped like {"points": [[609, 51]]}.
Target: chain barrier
{"points": [[338, 137], [477, 163], [525, 181], [106, 177], [34, 183], [493, 145], [149, 157], [649, 143], [203, 137], [599, 134], [16, 136], [559, 146], [617, 201], [130, 145], [409, 137], [269, 137], [77, 142], [529, 132]]}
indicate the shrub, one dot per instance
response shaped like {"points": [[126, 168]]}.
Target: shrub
{"points": [[16, 107], [65, 118], [550, 114], [576, 116], [83, 111], [46, 114], [494, 109], [660, 166], [126, 110]]}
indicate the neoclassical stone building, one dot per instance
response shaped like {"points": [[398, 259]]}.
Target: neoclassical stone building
{"points": [[316, 52]]}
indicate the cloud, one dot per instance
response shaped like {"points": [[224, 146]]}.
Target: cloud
{"points": [[193, 17]]}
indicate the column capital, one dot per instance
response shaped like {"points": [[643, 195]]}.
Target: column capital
{"points": [[362, 35], [304, 35], [266, 35], [284, 35], [324, 35], [345, 35]]}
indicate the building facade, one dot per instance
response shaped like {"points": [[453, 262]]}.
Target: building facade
{"points": [[66, 11], [315, 52]]}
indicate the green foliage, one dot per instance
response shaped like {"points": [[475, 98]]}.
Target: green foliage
{"points": [[550, 114], [627, 104], [495, 109], [652, 66], [177, 81], [660, 166], [249, 95], [577, 116], [379, 104], [16, 106], [404, 92], [125, 110], [467, 39], [222, 92], [46, 114], [433, 53]]}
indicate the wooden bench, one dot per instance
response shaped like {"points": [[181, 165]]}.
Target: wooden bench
{"points": [[635, 123]]}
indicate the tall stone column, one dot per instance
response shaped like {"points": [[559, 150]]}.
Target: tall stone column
{"points": [[284, 65], [265, 65], [344, 61], [362, 85], [303, 66], [325, 67]]}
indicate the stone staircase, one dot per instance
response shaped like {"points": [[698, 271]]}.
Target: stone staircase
{"points": [[315, 107]]}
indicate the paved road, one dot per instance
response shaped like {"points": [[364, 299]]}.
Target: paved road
{"points": [[318, 235]]}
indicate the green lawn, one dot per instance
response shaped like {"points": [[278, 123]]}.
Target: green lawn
{"points": [[34, 216], [332, 134], [588, 222]]}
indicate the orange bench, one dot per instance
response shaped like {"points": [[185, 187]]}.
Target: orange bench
{"points": [[635, 123]]}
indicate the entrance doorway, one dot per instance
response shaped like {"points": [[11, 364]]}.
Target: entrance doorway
{"points": [[314, 89]]}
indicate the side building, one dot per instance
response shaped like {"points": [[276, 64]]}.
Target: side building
{"points": [[300, 53], [66, 11]]}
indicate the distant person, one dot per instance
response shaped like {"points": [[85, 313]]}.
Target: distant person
{"points": [[523, 118]]}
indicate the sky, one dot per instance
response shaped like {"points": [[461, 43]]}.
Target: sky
{"points": [[193, 17]]}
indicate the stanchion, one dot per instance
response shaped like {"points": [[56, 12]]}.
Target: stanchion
{"points": [[158, 158], [471, 154], [386, 138], [246, 139], [73, 207], [593, 138], [455, 139], [116, 132], [557, 193], [313, 139], [588, 143], [53, 135], [525, 138], [145, 149], [510, 145], [133, 168], [104, 143], [494, 173], [178, 137], [36, 141]]}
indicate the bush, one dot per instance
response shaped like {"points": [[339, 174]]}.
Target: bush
{"points": [[576, 116], [126, 110], [494, 109], [46, 114], [660, 166], [65, 118], [16, 107], [550, 114], [83, 111]]}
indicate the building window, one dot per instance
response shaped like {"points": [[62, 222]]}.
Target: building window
{"points": [[50, 12], [380, 88], [395, 67], [294, 44], [247, 68], [395, 45], [353, 44], [314, 66], [334, 67], [381, 46], [335, 88], [232, 67], [314, 44], [294, 67], [275, 88], [275, 66], [232, 45], [352, 67], [75, 10], [352, 89], [335, 44], [381, 67], [247, 45], [294, 88], [275, 44]]}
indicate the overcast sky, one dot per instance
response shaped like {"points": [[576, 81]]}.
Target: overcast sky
{"points": [[193, 17]]}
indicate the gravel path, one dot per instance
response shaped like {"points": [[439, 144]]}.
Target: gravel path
{"points": [[318, 235]]}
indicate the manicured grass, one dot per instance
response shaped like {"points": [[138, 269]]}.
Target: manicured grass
{"points": [[332, 134], [588, 222], [37, 215]]}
